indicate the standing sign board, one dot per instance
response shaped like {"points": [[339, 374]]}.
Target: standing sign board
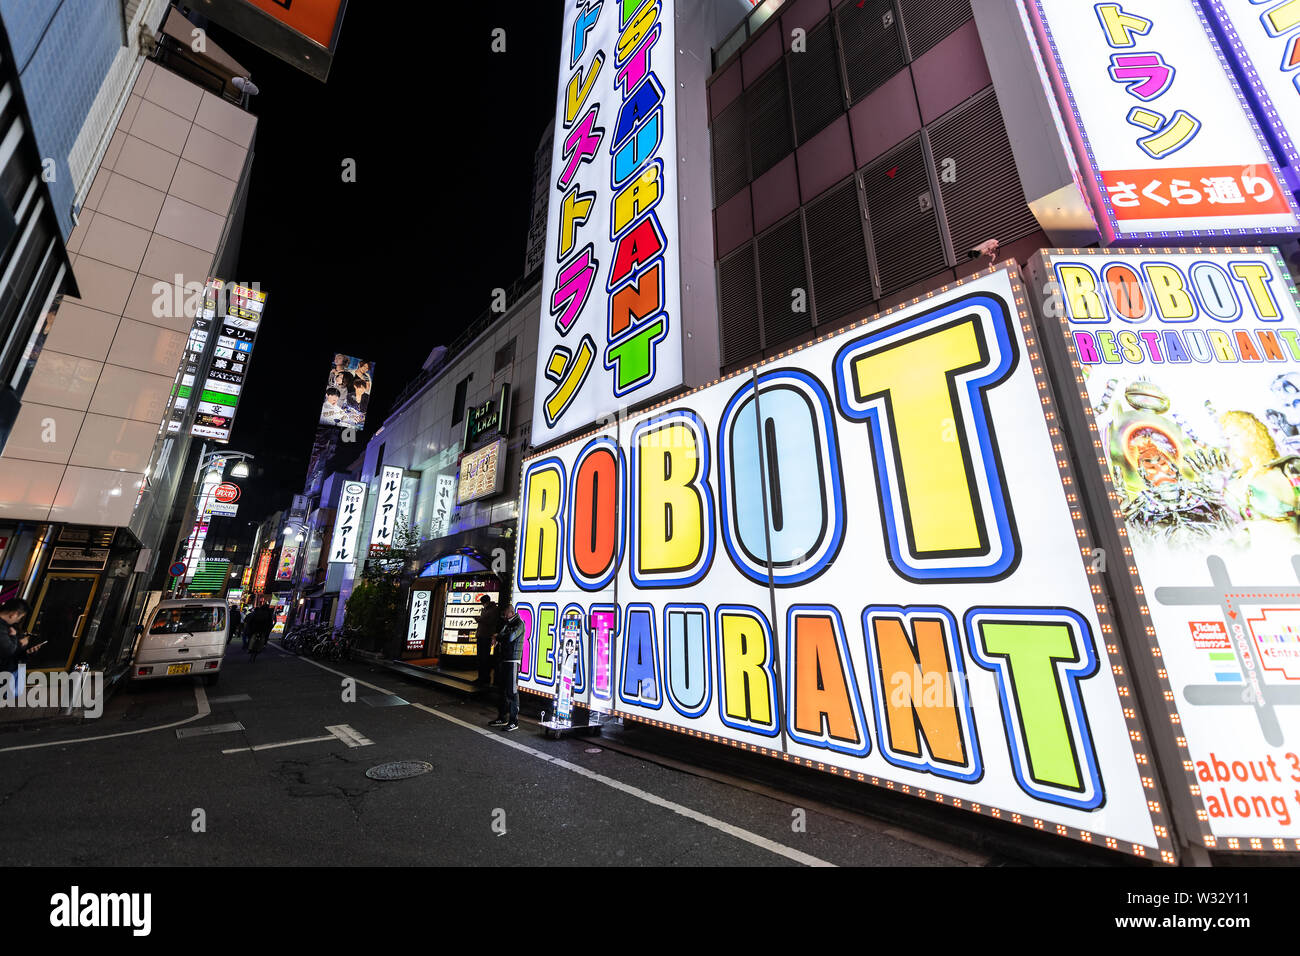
{"points": [[611, 325], [418, 622], [1187, 366], [866, 555], [1158, 121]]}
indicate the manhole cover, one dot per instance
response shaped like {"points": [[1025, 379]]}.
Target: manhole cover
{"points": [[399, 770]]}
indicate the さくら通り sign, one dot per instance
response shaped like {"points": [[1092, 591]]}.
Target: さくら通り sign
{"points": [[866, 555]]}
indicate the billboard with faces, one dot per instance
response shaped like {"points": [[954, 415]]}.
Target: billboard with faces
{"points": [[347, 392], [865, 555], [1185, 367]]}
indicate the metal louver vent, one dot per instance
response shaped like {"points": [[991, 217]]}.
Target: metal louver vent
{"points": [[767, 109], [815, 84], [730, 155], [738, 306], [873, 48], [929, 21], [783, 277], [982, 195], [837, 252], [904, 227]]}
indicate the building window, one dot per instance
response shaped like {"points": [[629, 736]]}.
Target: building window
{"points": [[505, 356], [458, 407]]}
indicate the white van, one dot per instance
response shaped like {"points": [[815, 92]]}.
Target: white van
{"points": [[183, 637]]}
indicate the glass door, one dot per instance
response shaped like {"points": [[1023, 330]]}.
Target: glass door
{"points": [[60, 618]]}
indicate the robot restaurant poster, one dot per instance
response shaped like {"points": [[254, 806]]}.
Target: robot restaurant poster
{"points": [[1191, 367]]}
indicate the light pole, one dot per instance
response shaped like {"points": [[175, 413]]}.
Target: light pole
{"points": [[216, 462]]}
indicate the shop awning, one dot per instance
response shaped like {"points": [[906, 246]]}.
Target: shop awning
{"points": [[462, 561]]}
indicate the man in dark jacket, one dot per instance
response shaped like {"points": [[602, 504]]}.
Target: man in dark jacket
{"points": [[489, 623], [510, 646], [257, 625]]}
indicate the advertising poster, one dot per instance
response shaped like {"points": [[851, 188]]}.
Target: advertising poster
{"points": [[610, 334], [347, 392], [1189, 372], [288, 561], [866, 555], [1169, 139]]}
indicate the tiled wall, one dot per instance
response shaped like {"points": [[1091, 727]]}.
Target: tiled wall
{"points": [[156, 210]]}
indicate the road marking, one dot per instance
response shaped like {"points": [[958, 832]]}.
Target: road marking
{"points": [[200, 699], [349, 736], [209, 729], [283, 743], [738, 832]]}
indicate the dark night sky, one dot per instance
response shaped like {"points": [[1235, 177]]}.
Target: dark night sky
{"points": [[443, 131]]}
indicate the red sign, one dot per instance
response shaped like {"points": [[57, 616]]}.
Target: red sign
{"points": [[263, 569], [226, 493]]}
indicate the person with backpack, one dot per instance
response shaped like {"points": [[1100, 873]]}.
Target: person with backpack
{"points": [[510, 646]]}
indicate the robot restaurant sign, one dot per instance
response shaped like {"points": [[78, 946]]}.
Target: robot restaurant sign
{"points": [[866, 556]]}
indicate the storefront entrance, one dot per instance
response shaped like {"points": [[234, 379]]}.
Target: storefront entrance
{"points": [[59, 618]]}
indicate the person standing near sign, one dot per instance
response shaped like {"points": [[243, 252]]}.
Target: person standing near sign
{"points": [[510, 646], [489, 622]]}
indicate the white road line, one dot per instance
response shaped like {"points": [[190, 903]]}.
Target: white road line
{"points": [[283, 743], [349, 736], [200, 699], [738, 832]]}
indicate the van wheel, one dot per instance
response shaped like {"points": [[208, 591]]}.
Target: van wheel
{"points": [[210, 679]]}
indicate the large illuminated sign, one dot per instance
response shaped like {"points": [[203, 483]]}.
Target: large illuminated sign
{"points": [[482, 472], [1186, 374], [610, 333], [347, 392], [347, 523], [866, 555], [387, 506], [236, 333], [1158, 121]]}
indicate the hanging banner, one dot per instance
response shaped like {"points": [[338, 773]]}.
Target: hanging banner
{"points": [[443, 503], [610, 334], [386, 509], [288, 561], [1189, 372], [347, 523], [1157, 119], [866, 555]]}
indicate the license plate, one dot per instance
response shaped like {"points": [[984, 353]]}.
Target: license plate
{"points": [[178, 668]]}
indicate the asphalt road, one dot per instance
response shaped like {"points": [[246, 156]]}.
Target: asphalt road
{"points": [[266, 781]]}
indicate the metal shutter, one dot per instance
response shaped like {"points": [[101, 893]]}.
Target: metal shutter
{"points": [[872, 44], [782, 270], [837, 254], [929, 21], [985, 199], [904, 226], [767, 110], [815, 85], [730, 155], [738, 306]]}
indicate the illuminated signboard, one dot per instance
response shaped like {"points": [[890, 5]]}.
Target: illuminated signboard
{"points": [[482, 472], [1188, 387], [443, 495], [1159, 121], [263, 571], [347, 522], [1266, 42], [303, 33], [418, 622], [288, 560], [610, 334], [899, 493], [347, 392], [216, 403], [212, 576], [387, 506], [192, 360]]}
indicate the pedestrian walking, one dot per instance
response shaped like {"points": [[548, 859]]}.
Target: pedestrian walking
{"points": [[489, 623], [236, 623], [510, 644]]}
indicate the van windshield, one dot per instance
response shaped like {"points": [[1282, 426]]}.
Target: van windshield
{"points": [[188, 620]]}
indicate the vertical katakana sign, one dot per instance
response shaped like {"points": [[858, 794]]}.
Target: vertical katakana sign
{"points": [[611, 327], [387, 506], [1169, 140], [347, 522], [444, 500]]}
